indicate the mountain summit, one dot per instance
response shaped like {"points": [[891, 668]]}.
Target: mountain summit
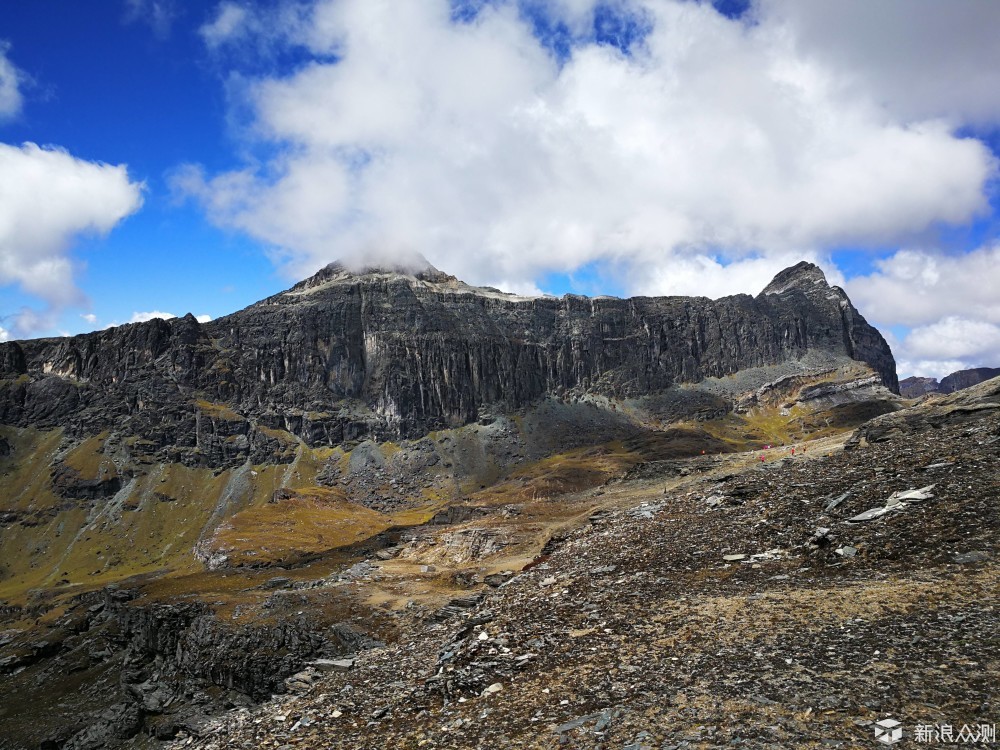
{"points": [[412, 265], [401, 349], [803, 275]]}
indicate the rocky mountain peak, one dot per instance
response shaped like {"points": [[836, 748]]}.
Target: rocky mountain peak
{"points": [[411, 265], [804, 276]]}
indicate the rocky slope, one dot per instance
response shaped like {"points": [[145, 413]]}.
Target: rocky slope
{"points": [[176, 493], [721, 603]]}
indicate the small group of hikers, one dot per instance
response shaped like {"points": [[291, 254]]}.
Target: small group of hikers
{"points": [[768, 447]]}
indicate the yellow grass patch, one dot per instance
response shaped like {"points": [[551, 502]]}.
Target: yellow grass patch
{"points": [[315, 520]]}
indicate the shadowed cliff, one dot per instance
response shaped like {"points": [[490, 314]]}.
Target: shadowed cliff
{"points": [[390, 352]]}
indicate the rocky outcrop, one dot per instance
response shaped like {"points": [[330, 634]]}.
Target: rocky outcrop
{"points": [[914, 387], [188, 639], [962, 379], [386, 353], [164, 666]]}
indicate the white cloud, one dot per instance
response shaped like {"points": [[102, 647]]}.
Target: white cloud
{"points": [[142, 317], [715, 143], [920, 58], [10, 85], [950, 344], [707, 277], [914, 287], [929, 368], [89, 317], [230, 23], [252, 32], [4, 334], [47, 198], [955, 338], [945, 306]]}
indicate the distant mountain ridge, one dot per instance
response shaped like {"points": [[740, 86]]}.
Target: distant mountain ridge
{"points": [[397, 351], [914, 387]]}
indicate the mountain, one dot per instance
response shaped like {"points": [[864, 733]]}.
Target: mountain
{"points": [[390, 353], [190, 513], [914, 387]]}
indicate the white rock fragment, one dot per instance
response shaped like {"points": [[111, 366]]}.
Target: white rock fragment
{"points": [[496, 687]]}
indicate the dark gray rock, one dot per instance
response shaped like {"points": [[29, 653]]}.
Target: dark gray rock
{"points": [[962, 379], [915, 387], [344, 356]]}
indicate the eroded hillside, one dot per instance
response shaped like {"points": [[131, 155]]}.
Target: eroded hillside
{"points": [[192, 514], [790, 603]]}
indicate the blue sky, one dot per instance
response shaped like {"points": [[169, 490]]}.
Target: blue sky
{"points": [[196, 157]]}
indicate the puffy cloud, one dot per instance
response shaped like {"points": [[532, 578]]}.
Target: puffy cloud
{"points": [[4, 334], [917, 287], [705, 276], [945, 306], [955, 338], [251, 33], [10, 85], [920, 58], [947, 345], [714, 144], [48, 197], [142, 317]]}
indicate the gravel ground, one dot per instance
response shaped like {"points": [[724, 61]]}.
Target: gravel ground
{"points": [[636, 631]]}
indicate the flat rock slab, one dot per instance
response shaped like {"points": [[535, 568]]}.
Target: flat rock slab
{"points": [[332, 665], [868, 515]]}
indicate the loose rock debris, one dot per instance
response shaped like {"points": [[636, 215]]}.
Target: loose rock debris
{"points": [[897, 501], [641, 632]]}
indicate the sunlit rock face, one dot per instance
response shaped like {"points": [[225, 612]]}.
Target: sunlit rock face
{"points": [[398, 349]]}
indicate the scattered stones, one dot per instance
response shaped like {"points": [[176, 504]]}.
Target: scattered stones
{"points": [[820, 537], [912, 496], [714, 501], [835, 502], [897, 501], [640, 637], [495, 580]]}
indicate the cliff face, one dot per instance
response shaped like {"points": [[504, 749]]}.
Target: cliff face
{"points": [[957, 381], [386, 353]]}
